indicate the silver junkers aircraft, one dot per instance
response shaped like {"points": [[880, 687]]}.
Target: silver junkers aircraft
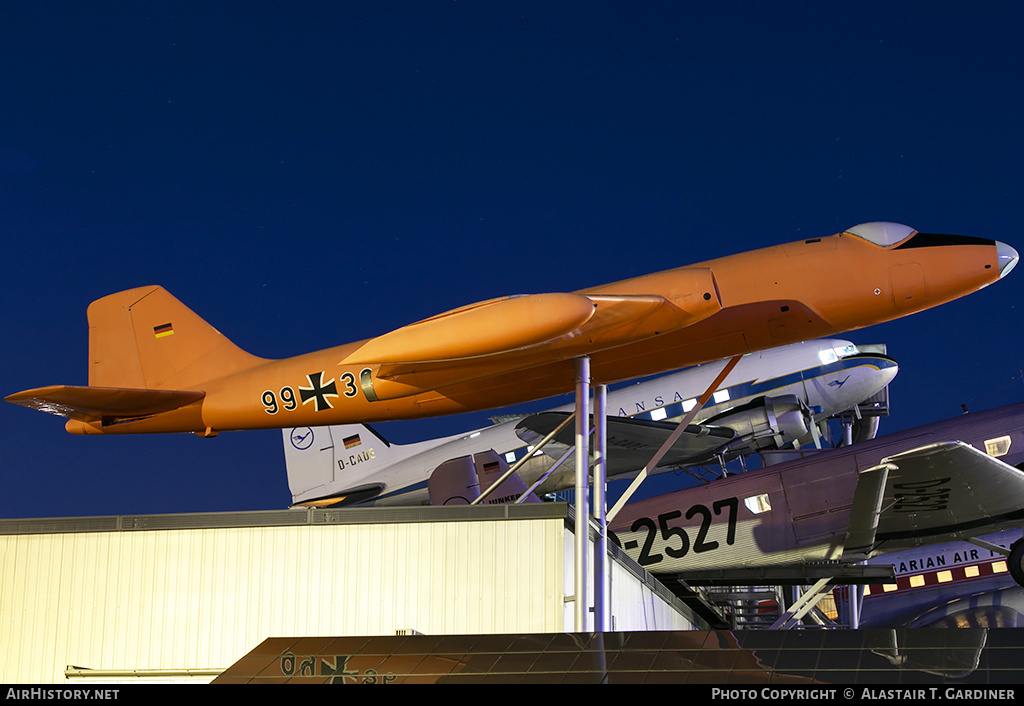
{"points": [[771, 399], [957, 479]]}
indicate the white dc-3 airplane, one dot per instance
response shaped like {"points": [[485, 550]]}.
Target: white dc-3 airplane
{"points": [[770, 399]]}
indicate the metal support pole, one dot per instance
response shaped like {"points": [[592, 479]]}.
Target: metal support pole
{"points": [[515, 467], [853, 592], [582, 482], [802, 606], [547, 474], [602, 577], [680, 428], [994, 548]]}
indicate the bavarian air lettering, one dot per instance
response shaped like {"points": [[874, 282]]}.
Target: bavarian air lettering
{"points": [[950, 556], [660, 538], [316, 391]]}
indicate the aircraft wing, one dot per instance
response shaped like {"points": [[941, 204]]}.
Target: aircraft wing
{"points": [[94, 404], [631, 442], [942, 491]]}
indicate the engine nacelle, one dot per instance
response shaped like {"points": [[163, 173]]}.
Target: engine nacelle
{"points": [[765, 423]]}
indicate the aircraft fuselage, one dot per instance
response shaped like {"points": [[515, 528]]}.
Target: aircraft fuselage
{"points": [[741, 303], [799, 511]]}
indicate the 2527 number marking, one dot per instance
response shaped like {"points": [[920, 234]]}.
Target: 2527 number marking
{"points": [[677, 541]]}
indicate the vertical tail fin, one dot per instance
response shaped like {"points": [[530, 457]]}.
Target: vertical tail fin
{"points": [[342, 465], [145, 338], [460, 481]]}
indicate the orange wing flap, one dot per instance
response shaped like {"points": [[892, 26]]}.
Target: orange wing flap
{"points": [[93, 404]]}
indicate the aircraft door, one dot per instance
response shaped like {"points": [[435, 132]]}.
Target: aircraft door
{"points": [[907, 280]]}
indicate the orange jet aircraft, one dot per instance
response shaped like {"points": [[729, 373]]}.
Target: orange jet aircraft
{"points": [[155, 366]]}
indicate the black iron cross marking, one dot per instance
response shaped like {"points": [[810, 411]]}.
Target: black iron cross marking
{"points": [[318, 391]]}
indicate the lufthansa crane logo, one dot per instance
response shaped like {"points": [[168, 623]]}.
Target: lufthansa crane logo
{"points": [[302, 438], [839, 383]]}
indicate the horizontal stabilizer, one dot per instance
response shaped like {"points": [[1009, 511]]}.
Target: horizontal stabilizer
{"points": [[350, 496], [95, 404], [632, 442]]}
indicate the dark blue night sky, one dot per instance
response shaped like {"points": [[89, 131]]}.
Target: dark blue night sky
{"points": [[308, 174]]}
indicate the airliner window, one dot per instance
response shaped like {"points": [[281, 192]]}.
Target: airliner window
{"points": [[758, 503], [882, 233], [997, 447], [831, 355]]}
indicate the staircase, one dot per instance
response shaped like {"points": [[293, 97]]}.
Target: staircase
{"points": [[748, 607]]}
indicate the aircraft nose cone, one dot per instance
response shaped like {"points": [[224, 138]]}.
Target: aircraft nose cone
{"points": [[1007, 257]]}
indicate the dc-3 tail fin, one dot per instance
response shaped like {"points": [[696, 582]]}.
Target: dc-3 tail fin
{"points": [[146, 339], [342, 464]]}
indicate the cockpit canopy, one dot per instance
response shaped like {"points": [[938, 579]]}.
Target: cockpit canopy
{"points": [[882, 233], [901, 237]]}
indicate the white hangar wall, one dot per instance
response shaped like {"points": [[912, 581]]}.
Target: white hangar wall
{"points": [[182, 597], [638, 602]]}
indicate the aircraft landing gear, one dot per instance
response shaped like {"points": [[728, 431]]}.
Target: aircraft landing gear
{"points": [[1015, 561]]}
